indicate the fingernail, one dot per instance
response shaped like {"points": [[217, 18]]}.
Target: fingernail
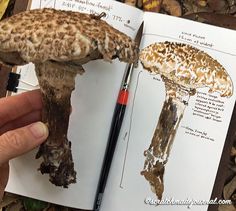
{"points": [[39, 130]]}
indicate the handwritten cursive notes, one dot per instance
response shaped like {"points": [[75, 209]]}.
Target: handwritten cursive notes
{"points": [[96, 7]]}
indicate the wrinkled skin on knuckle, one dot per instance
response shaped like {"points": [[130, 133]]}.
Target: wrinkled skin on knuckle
{"points": [[11, 141]]}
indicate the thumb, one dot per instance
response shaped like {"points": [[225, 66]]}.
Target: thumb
{"points": [[17, 142]]}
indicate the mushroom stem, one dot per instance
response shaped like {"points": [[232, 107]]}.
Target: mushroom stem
{"points": [[57, 82], [159, 150]]}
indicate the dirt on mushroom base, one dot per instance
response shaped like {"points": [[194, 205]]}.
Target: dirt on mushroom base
{"points": [[183, 69]]}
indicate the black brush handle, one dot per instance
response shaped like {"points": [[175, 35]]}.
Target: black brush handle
{"points": [[116, 124]]}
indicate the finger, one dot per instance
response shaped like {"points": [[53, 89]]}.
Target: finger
{"points": [[22, 121], [4, 174], [17, 142], [16, 106]]}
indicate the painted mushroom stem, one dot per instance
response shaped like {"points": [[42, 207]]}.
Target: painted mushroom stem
{"points": [[159, 150], [183, 69], [59, 43]]}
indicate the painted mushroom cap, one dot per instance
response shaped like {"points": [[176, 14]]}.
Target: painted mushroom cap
{"points": [[186, 66], [48, 34]]}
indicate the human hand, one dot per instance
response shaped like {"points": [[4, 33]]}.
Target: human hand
{"points": [[20, 130]]}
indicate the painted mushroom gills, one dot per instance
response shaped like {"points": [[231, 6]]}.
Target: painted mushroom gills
{"points": [[57, 81]]}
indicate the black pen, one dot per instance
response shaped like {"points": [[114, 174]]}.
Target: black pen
{"points": [[115, 128]]}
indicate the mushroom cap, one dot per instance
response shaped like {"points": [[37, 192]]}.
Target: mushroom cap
{"points": [[186, 66], [48, 34]]}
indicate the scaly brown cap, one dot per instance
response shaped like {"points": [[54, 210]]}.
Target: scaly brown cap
{"points": [[48, 34]]}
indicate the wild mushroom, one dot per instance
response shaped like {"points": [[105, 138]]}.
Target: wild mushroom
{"points": [[58, 43], [183, 69]]}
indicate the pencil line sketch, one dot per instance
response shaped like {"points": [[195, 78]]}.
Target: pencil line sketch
{"points": [[183, 69], [129, 131], [47, 3]]}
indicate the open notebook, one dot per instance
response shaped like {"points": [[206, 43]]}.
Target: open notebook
{"points": [[194, 159]]}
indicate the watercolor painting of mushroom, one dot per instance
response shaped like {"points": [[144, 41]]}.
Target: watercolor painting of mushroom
{"points": [[58, 43], [183, 69]]}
